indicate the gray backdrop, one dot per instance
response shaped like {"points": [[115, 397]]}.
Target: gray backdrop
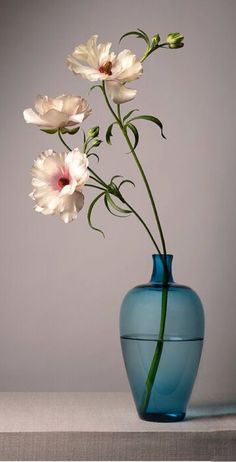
{"points": [[61, 285]]}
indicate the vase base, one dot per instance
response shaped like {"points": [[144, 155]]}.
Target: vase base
{"points": [[162, 417]]}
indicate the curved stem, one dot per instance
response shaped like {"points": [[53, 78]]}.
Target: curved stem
{"points": [[106, 187], [147, 187], [143, 223], [138, 163]]}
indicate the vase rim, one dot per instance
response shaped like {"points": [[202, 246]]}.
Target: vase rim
{"points": [[162, 254]]}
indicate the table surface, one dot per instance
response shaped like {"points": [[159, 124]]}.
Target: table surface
{"points": [[105, 426], [99, 412]]}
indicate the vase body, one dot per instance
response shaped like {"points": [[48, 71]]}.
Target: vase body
{"points": [[161, 367]]}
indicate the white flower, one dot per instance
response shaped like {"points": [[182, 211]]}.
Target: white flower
{"points": [[102, 64], [57, 183], [62, 111]]}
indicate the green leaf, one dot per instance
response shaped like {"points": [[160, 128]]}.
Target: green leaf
{"points": [[135, 133], [109, 210], [116, 176], [151, 119], [95, 86], [49, 131], [138, 34], [109, 133], [116, 207], [93, 154], [145, 36], [126, 181], [129, 114], [93, 203]]}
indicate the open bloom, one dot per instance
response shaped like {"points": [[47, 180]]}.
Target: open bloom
{"points": [[99, 63], [62, 111], [57, 183]]}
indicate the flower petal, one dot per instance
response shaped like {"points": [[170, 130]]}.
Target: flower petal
{"points": [[56, 119], [32, 118], [119, 93], [127, 67], [70, 206]]}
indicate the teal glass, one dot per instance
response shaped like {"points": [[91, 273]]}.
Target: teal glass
{"points": [[140, 319]]}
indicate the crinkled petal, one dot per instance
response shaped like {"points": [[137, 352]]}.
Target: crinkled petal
{"points": [[119, 93], [127, 67], [70, 206], [86, 72]]}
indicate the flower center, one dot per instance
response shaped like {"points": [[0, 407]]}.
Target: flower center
{"points": [[106, 68], [63, 182]]}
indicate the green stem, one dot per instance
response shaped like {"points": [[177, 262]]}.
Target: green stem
{"points": [[142, 222], [158, 352], [106, 186], [138, 163], [159, 346]]}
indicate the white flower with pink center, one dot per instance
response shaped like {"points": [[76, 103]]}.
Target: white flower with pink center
{"points": [[96, 62], [57, 182], [60, 112]]}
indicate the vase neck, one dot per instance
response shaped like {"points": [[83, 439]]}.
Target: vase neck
{"points": [[159, 272]]}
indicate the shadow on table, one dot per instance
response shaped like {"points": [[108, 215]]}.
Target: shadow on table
{"points": [[211, 411]]}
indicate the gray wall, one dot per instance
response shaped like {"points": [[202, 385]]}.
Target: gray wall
{"points": [[61, 285]]}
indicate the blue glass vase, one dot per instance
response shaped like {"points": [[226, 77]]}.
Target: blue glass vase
{"points": [[161, 363]]}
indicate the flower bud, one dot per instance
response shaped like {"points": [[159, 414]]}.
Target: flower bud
{"points": [[93, 132], [155, 40], [175, 40], [97, 143]]}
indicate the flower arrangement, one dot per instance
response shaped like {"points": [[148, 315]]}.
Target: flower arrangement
{"points": [[59, 178]]}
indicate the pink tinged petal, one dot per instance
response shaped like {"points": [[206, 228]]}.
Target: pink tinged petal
{"points": [[56, 119], [32, 118], [77, 164], [68, 189], [119, 93], [76, 119], [71, 104], [41, 105]]}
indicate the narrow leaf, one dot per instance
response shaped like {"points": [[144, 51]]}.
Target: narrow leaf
{"points": [[135, 133], [93, 154], [126, 181], [129, 114], [109, 210], [145, 36], [116, 207], [133, 32], [95, 86], [109, 133], [116, 176], [151, 119], [93, 203]]}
